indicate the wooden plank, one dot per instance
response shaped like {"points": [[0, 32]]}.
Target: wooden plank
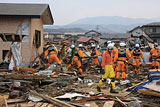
{"points": [[15, 100], [52, 100], [108, 104], [148, 92], [44, 105], [93, 105], [4, 36], [50, 105], [39, 104], [121, 102], [2, 102], [88, 99], [4, 96], [153, 86], [24, 105]]}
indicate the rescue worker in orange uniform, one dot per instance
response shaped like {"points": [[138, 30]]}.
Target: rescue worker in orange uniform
{"points": [[154, 56], [94, 52], [115, 51], [51, 55], [108, 71], [121, 59], [77, 59], [136, 54]]}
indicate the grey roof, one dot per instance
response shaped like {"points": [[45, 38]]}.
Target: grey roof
{"points": [[152, 24], [125, 35], [26, 10], [133, 29]]}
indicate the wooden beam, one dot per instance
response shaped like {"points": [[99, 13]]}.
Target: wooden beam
{"points": [[13, 37], [52, 100], [88, 99], [3, 102], [124, 104], [108, 104], [4, 36], [15, 101], [20, 36], [148, 92]]}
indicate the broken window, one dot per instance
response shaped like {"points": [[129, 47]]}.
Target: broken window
{"points": [[4, 53], [11, 37], [38, 38]]}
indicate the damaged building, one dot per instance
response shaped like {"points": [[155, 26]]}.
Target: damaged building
{"points": [[149, 32], [23, 23]]}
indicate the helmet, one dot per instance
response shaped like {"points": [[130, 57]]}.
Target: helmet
{"points": [[47, 46], [72, 46], [156, 45], [113, 43], [93, 45], [80, 45], [98, 47], [109, 42], [110, 46], [122, 44], [137, 46]]}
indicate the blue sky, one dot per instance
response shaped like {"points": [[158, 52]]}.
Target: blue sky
{"points": [[67, 11]]}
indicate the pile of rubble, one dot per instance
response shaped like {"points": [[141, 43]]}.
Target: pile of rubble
{"points": [[43, 86]]}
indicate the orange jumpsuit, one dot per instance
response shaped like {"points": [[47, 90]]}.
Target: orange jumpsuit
{"points": [[95, 60], [154, 54], [77, 61], [107, 59], [115, 50], [52, 56], [136, 54], [121, 58], [108, 68]]}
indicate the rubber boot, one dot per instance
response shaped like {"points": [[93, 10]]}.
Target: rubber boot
{"points": [[113, 90]]}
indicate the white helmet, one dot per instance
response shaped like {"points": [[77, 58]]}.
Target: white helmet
{"points": [[47, 46], [109, 42], [98, 47], [110, 46], [113, 43], [93, 45], [122, 44], [137, 46], [72, 46], [80, 46], [156, 45]]}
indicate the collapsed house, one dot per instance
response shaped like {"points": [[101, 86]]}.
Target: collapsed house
{"points": [[147, 33], [23, 23]]}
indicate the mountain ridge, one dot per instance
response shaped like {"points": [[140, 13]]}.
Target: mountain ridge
{"points": [[105, 24]]}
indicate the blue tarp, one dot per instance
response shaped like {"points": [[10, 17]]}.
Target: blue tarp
{"points": [[153, 75]]}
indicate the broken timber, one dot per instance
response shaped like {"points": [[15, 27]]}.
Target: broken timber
{"points": [[52, 100], [88, 99], [148, 92], [32, 77]]}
